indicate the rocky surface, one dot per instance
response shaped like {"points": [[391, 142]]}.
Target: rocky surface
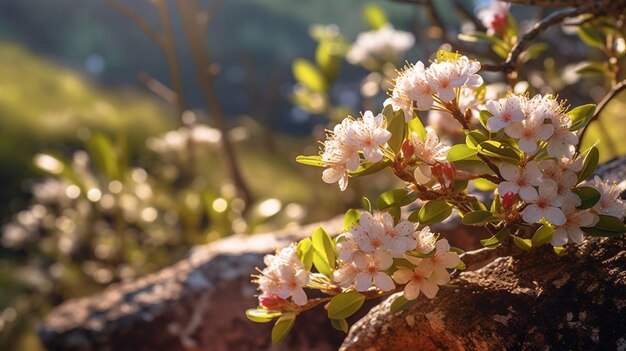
{"points": [[196, 304], [531, 301]]}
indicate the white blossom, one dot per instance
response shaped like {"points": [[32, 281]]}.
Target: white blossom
{"points": [[425, 240], [443, 260], [429, 151], [416, 280], [544, 203], [345, 275], [445, 76], [505, 111], [376, 47], [400, 236], [443, 121], [370, 268], [370, 234], [370, 135], [340, 154], [570, 230], [529, 131], [610, 203], [520, 180], [562, 141], [284, 276]]}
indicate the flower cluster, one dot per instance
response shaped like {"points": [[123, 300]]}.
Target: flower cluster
{"points": [[284, 276], [524, 149], [376, 47], [418, 87], [347, 140]]}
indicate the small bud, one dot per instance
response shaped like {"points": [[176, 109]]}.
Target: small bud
{"points": [[437, 171], [271, 302], [407, 149], [449, 171], [508, 200]]}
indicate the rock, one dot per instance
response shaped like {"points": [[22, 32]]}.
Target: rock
{"points": [[199, 303], [532, 301], [196, 304]]}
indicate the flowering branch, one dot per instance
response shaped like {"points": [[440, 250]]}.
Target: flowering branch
{"points": [[596, 8], [526, 148]]}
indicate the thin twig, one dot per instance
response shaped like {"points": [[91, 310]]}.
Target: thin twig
{"points": [[169, 47], [618, 88], [139, 21], [197, 42], [158, 88], [510, 64]]}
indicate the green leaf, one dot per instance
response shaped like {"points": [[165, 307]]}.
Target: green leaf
{"points": [[340, 324], [328, 58], [315, 160], [367, 204], [498, 150], [414, 253], [558, 249], [581, 115], [533, 51], [434, 211], [501, 50], [305, 252], [390, 198], [591, 36], [401, 304], [496, 205], [477, 217], [396, 127], [309, 75], [511, 27], [496, 240], [474, 138], [324, 252], [483, 117], [543, 235], [443, 55], [104, 155], [345, 304], [588, 197], [593, 68], [483, 37], [607, 226], [460, 186], [282, 327], [462, 152], [260, 315], [524, 244], [460, 267], [351, 219], [415, 125], [483, 184], [374, 16], [590, 163], [368, 168]]}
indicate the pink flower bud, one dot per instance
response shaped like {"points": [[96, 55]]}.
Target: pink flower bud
{"points": [[449, 171], [407, 149], [437, 171], [271, 302], [508, 200]]}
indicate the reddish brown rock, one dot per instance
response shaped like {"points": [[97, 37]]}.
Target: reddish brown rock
{"points": [[533, 301]]}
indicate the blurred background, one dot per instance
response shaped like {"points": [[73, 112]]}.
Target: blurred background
{"points": [[132, 130]]}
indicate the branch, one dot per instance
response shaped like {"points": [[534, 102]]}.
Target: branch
{"points": [[158, 88], [602, 106], [510, 65], [141, 23]]}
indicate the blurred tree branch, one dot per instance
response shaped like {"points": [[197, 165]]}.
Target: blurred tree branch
{"points": [[195, 34]]}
